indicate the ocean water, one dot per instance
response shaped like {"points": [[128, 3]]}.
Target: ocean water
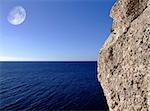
{"points": [[42, 86]]}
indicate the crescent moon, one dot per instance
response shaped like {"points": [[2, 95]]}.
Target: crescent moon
{"points": [[17, 15]]}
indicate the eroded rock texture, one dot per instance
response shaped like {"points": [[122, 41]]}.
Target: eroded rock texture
{"points": [[124, 60]]}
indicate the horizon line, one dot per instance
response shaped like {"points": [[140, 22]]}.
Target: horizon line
{"points": [[54, 61]]}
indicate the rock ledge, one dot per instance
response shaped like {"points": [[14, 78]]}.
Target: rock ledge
{"points": [[124, 60]]}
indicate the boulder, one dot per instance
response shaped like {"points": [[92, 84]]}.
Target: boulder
{"points": [[124, 59]]}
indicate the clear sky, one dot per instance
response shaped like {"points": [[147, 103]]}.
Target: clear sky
{"points": [[55, 30]]}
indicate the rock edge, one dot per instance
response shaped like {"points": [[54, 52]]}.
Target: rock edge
{"points": [[124, 60]]}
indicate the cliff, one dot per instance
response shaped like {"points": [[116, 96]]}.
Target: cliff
{"points": [[124, 60]]}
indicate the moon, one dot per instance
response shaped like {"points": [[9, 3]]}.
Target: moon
{"points": [[17, 15]]}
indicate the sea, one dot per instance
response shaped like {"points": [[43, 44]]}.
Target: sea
{"points": [[46, 86]]}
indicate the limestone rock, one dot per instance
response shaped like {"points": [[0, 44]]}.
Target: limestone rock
{"points": [[124, 60]]}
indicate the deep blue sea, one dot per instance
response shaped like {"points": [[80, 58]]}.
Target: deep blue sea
{"points": [[42, 86]]}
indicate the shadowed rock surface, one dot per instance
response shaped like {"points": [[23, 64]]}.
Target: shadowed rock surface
{"points": [[124, 60]]}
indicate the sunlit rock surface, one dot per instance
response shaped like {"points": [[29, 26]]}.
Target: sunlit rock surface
{"points": [[124, 60]]}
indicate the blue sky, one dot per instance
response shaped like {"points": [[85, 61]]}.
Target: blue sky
{"points": [[55, 30]]}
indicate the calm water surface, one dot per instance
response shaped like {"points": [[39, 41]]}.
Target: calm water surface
{"points": [[50, 85]]}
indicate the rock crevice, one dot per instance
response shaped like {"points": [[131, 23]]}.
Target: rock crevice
{"points": [[124, 60]]}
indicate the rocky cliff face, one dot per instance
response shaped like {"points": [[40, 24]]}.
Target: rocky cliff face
{"points": [[124, 60]]}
